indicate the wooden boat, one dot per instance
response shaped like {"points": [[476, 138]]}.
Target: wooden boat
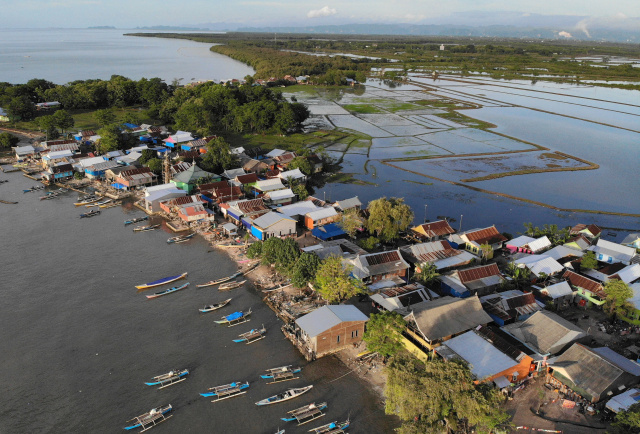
{"points": [[282, 373], [34, 188], [212, 307], [110, 205], [168, 291], [221, 280], [230, 285], [277, 288], [90, 213], [280, 431], [227, 391], [99, 203], [87, 201], [306, 413], [285, 396], [49, 195], [234, 318], [169, 379], [162, 281], [252, 336], [332, 428], [251, 268], [181, 238], [136, 220], [146, 228], [151, 418]]}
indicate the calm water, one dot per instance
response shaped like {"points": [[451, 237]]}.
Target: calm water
{"points": [[63, 55], [78, 342]]}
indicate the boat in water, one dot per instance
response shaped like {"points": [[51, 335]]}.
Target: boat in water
{"points": [[252, 336], [88, 201], [181, 238], [221, 280], [230, 285], [102, 202], [332, 428], [146, 228], [136, 220], [212, 307], [281, 373], [34, 188], [151, 418], [90, 213], [168, 291], [169, 379], [306, 413], [285, 396], [227, 391], [162, 281], [234, 318]]}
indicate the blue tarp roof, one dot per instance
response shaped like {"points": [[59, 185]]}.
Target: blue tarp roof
{"points": [[328, 231], [130, 126], [234, 315], [118, 186]]}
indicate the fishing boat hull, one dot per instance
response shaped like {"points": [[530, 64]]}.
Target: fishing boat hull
{"points": [[286, 396], [162, 281], [146, 228], [167, 379], [293, 371], [146, 418], [218, 281], [231, 285], [220, 391], [215, 306], [135, 220], [168, 291]]}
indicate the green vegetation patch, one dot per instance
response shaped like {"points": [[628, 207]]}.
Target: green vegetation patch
{"points": [[362, 108], [444, 103], [466, 120], [400, 106]]}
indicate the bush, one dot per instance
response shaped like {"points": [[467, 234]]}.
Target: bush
{"points": [[369, 243], [254, 250]]}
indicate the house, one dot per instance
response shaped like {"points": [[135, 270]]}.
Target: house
{"points": [[607, 251], [632, 240], [222, 194], [4, 116], [177, 139], [559, 295], [623, 401], [59, 172], [239, 210], [591, 373], [587, 290], [282, 161], [172, 205], [280, 197], [321, 217], [509, 306], [374, 267], [249, 179], [539, 265], [564, 255], [126, 178], [437, 253], [473, 240], [327, 330], [255, 166], [400, 297], [616, 271], [432, 322], [579, 242], [268, 185], [98, 170], [340, 247], [275, 153], [298, 210], [199, 145], [193, 212], [188, 179], [83, 136], [478, 280], [295, 176], [347, 204], [592, 232], [328, 232], [24, 152], [232, 173], [60, 145], [546, 333], [526, 244], [489, 356], [158, 193], [433, 231], [57, 157], [272, 224], [629, 274]]}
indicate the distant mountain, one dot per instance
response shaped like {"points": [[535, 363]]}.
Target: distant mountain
{"points": [[172, 28], [102, 27]]}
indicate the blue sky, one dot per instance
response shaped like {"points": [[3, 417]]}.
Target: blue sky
{"points": [[133, 13]]}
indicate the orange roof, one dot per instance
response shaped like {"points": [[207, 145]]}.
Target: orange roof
{"points": [[475, 273], [435, 229], [488, 235], [585, 283]]}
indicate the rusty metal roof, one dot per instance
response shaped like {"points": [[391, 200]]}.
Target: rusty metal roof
{"points": [[488, 235], [585, 283], [475, 273], [434, 229]]}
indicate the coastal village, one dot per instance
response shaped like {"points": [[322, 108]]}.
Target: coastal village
{"points": [[540, 311]]}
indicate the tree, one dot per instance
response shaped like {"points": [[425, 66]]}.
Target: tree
{"points": [[520, 275], [146, 155], [301, 163], [428, 274], [618, 293], [351, 222], [110, 138], [254, 250], [384, 333], [304, 270], [281, 253], [626, 421], [64, 120], [104, 117], [387, 217], [589, 261], [48, 124], [218, 157], [155, 165], [300, 190], [439, 397], [333, 281], [8, 140], [21, 108]]}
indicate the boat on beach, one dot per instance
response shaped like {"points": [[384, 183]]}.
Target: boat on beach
{"points": [[230, 285], [168, 291], [88, 201], [181, 238], [221, 280], [146, 228], [281, 373], [169, 379], [90, 213], [162, 281], [252, 336], [212, 307], [136, 220], [306, 413], [285, 396], [332, 428], [227, 391], [151, 418], [99, 203], [234, 318]]}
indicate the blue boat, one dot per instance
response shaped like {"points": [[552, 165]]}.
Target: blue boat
{"points": [[150, 419], [162, 281], [136, 220], [227, 391], [234, 318], [252, 335], [305, 413], [168, 291], [169, 379], [282, 373], [333, 427]]}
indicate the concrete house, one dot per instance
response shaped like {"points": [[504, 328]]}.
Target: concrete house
{"points": [[609, 252], [479, 280], [374, 267], [559, 295], [592, 232], [158, 193], [433, 231], [321, 217], [272, 224], [632, 240], [188, 179], [528, 245], [472, 241], [539, 265], [589, 291]]}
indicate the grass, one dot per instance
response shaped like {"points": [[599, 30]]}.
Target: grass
{"points": [[84, 119], [397, 107], [466, 120], [446, 104], [362, 108]]}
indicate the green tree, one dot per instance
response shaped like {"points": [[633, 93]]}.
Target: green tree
{"points": [[280, 253], [8, 140], [304, 270], [520, 275], [300, 190], [618, 293], [387, 217], [21, 108], [155, 165], [111, 138], [440, 397], [218, 157], [146, 155], [104, 117], [255, 250], [78, 175], [48, 124], [428, 274], [64, 120], [301, 163], [589, 261], [351, 222], [333, 281], [626, 421], [384, 333]]}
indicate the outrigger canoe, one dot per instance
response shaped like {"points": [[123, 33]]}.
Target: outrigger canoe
{"points": [[136, 220], [145, 228], [230, 285], [252, 336], [168, 291], [221, 280], [234, 318], [332, 428], [285, 396], [227, 390], [162, 281], [212, 307], [181, 238], [169, 379], [90, 213], [282, 373], [306, 414], [151, 418]]}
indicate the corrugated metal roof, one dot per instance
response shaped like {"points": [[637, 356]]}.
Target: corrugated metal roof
{"points": [[623, 401], [270, 185], [270, 219], [620, 361], [345, 204], [434, 229], [298, 208], [585, 283], [324, 318], [559, 252], [558, 290], [615, 250], [322, 213], [520, 241], [249, 178], [295, 174], [546, 331], [454, 261], [281, 194], [488, 235], [476, 273], [628, 274]]}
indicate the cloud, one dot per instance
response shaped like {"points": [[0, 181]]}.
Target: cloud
{"points": [[565, 34], [324, 12]]}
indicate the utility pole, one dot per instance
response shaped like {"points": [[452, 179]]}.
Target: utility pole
{"points": [[460, 228], [425, 212], [167, 167]]}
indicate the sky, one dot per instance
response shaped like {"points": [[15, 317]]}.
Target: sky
{"points": [[257, 13]]}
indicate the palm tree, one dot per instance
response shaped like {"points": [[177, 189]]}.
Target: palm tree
{"points": [[428, 274]]}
